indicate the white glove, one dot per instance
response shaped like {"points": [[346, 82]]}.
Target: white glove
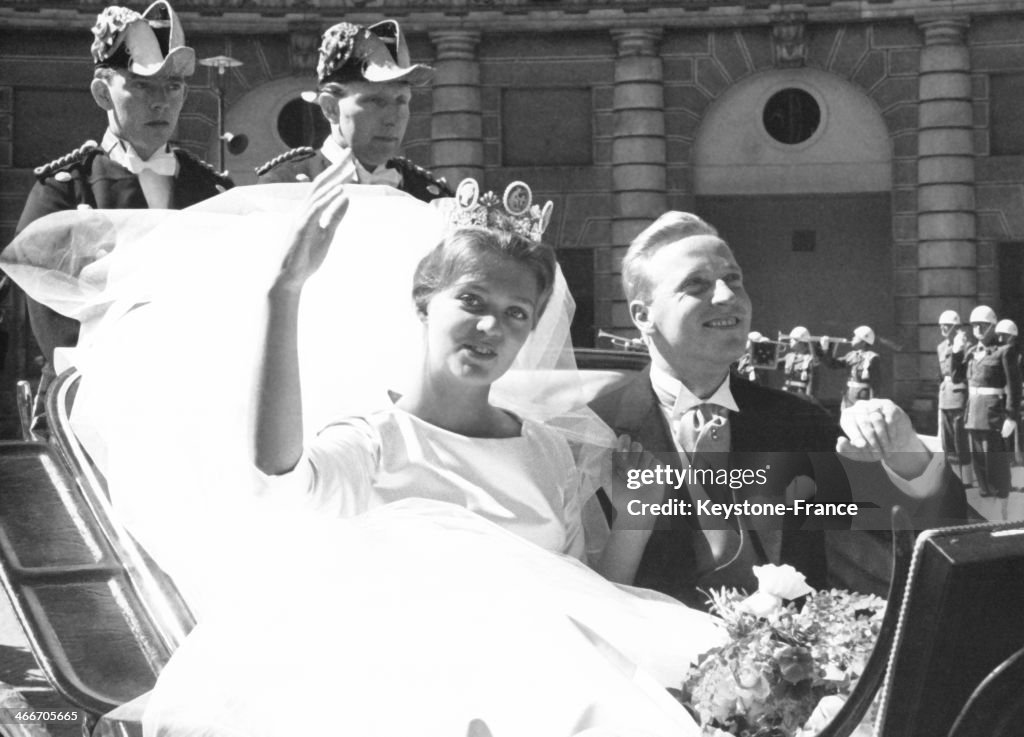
{"points": [[825, 342], [1008, 427]]}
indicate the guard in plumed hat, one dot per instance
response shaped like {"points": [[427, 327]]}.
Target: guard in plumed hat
{"points": [[141, 65], [365, 83]]}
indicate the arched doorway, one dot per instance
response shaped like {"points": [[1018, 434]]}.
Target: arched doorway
{"points": [[794, 168]]}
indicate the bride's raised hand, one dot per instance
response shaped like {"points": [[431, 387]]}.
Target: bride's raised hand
{"points": [[314, 226]]}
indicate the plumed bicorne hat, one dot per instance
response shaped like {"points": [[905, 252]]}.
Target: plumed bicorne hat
{"points": [[148, 44], [377, 53]]}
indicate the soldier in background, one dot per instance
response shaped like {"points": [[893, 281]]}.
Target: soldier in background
{"points": [[1006, 333], [865, 366], [365, 80], [745, 366], [141, 64], [953, 396], [800, 365], [993, 402]]}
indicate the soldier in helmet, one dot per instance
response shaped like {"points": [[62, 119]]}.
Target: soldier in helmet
{"points": [[953, 394], [365, 79], [745, 366], [993, 402], [141, 64], [800, 366], [1006, 332], [864, 364]]}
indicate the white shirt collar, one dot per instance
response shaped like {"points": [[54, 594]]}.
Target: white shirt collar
{"points": [[335, 152], [121, 152], [666, 386]]}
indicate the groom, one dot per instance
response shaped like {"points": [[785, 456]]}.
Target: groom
{"points": [[686, 296]]}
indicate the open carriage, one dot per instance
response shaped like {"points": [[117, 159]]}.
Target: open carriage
{"points": [[103, 620]]}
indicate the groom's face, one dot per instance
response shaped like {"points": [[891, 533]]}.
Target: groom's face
{"points": [[697, 314]]}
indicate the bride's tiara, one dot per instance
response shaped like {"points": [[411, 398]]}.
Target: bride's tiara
{"points": [[514, 212]]}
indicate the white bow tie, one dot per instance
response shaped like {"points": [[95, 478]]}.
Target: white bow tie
{"points": [[383, 175], [162, 162]]}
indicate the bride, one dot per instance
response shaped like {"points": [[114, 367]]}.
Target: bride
{"points": [[445, 588]]}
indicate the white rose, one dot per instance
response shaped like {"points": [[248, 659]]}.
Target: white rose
{"points": [[785, 582], [761, 604]]}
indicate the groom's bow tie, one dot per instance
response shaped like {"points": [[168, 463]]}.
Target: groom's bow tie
{"points": [[383, 175]]}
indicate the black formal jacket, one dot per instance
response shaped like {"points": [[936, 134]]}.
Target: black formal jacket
{"points": [[797, 438], [87, 177], [304, 163]]}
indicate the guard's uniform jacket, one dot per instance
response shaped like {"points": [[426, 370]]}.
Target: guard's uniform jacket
{"points": [[953, 389], [798, 370], [303, 164], [994, 388], [865, 379], [745, 368], [993, 396], [88, 178], [952, 403]]}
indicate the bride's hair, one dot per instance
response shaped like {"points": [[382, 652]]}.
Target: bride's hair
{"points": [[464, 251]]}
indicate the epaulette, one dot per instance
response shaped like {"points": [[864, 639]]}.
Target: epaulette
{"points": [[296, 154], [405, 166], [221, 176], [65, 161]]}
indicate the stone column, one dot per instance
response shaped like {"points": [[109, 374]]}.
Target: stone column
{"points": [[456, 123], [638, 148], [946, 227]]}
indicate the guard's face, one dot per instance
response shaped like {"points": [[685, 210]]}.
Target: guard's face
{"points": [[371, 119], [476, 326], [141, 110], [698, 315], [982, 330], [945, 329]]}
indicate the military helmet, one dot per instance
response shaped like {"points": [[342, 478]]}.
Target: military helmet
{"points": [[800, 333], [1008, 327], [981, 313], [949, 317], [864, 333]]}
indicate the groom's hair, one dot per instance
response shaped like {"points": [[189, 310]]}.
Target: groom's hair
{"points": [[673, 226], [468, 250]]}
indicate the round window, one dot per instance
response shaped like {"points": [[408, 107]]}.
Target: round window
{"points": [[791, 116], [301, 123]]}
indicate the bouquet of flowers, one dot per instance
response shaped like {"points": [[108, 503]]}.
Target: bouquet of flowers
{"points": [[782, 660]]}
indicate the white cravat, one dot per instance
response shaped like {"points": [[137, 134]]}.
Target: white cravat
{"points": [[156, 174], [335, 152], [677, 404]]}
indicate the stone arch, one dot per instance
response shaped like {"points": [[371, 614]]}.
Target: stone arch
{"points": [[810, 222], [851, 151]]}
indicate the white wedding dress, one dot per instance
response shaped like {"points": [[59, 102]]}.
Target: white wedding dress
{"points": [[413, 618]]}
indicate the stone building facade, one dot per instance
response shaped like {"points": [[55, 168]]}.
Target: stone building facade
{"points": [[863, 157]]}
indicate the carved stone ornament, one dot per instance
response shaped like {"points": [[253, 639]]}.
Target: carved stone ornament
{"points": [[305, 49], [788, 41]]}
